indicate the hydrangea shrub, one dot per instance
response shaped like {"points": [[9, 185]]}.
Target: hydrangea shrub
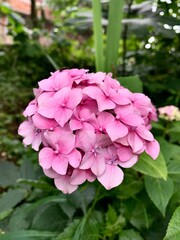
{"points": [[87, 126]]}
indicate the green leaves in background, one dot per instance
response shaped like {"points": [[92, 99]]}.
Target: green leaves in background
{"points": [[28, 235], [69, 231], [154, 168], [133, 83], [173, 230], [139, 216], [98, 35], [114, 223], [9, 173], [159, 191], [130, 234], [10, 199], [107, 60], [113, 35]]}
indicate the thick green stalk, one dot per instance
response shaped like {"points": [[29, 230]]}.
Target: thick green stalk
{"points": [[98, 35], [113, 35]]}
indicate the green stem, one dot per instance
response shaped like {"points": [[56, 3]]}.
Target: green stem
{"points": [[79, 233]]}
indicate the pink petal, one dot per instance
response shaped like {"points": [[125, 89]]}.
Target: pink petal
{"points": [[60, 164], [103, 140], [28, 139], [135, 141], [92, 92], [63, 115], [122, 141], [112, 177], [51, 138], [75, 124], [123, 111], [37, 141], [124, 153], [30, 109], [105, 103], [61, 80], [44, 123], [116, 130], [121, 100], [87, 160], [98, 167], [144, 133], [46, 156], [63, 184], [46, 84], [78, 177], [153, 149], [75, 97], [129, 163], [74, 158], [96, 77], [90, 176], [133, 120], [85, 140], [66, 143], [104, 118], [49, 108], [50, 173], [26, 128]]}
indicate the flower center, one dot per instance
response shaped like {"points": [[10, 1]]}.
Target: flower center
{"points": [[57, 148], [112, 161]]}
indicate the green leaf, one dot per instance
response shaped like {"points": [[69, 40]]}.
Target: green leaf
{"points": [[159, 191], [154, 168], [27, 170], [113, 34], [139, 217], [36, 183], [173, 230], [111, 215], [170, 151], [174, 170], [114, 223], [82, 198], [93, 227], [69, 231], [175, 128], [157, 125], [50, 216], [11, 198], [19, 220], [98, 33], [9, 173], [5, 8], [89, 227], [130, 186], [5, 214], [130, 234], [133, 83], [28, 235]]}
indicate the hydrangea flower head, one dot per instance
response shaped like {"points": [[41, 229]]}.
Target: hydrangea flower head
{"points": [[87, 126], [169, 113]]}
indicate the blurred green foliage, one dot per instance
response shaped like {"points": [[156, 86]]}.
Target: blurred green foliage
{"points": [[30, 206]]}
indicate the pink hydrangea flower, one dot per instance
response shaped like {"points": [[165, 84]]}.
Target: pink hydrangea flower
{"points": [[87, 127]]}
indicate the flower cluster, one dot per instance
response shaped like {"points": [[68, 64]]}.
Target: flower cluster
{"points": [[89, 127], [169, 113]]}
